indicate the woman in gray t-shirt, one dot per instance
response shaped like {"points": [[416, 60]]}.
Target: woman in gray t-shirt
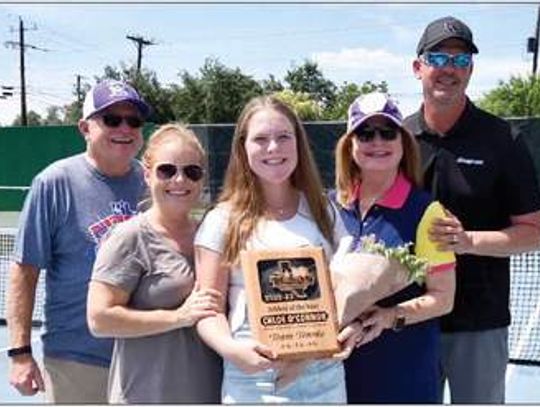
{"points": [[143, 293]]}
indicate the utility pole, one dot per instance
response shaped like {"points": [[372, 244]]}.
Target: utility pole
{"points": [[140, 41], [537, 35], [79, 93], [24, 119], [22, 47]]}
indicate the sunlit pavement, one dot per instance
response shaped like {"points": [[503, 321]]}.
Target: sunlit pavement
{"points": [[522, 382]]}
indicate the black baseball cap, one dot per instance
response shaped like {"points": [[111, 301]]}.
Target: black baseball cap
{"points": [[443, 29]]}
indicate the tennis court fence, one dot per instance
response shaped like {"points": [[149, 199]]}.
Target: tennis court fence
{"points": [[7, 246], [524, 338]]}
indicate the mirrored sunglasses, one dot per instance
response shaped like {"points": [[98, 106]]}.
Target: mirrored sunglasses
{"points": [[167, 171], [366, 134], [442, 59], [114, 120]]}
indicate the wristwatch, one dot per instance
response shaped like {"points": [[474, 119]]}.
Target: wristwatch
{"points": [[399, 321], [22, 350]]}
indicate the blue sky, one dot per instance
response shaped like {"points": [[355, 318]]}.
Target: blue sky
{"points": [[352, 42]]}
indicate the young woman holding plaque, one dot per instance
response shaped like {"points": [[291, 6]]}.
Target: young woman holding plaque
{"points": [[272, 199], [378, 194], [143, 291]]}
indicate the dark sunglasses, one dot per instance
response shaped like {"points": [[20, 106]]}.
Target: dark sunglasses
{"points": [[167, 171], [366, 134], [442, 59], [114, 120]]}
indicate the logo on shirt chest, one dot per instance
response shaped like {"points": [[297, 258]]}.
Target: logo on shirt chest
{"points": [[121, 211], [470, 161]]}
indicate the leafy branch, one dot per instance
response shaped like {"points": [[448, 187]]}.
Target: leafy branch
{"points": [[415, 265]]}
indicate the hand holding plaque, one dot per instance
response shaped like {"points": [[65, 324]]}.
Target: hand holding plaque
{"points": [[291, 305]]}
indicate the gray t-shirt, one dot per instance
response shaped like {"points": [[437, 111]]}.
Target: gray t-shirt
{"points": [[70, 207], [172, 367]]}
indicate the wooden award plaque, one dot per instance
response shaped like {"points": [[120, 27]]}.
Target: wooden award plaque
{"points": [[291, 306]]}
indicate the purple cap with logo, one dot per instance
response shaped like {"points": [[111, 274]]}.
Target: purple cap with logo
{"points": [[369, 105], [109, 92]]}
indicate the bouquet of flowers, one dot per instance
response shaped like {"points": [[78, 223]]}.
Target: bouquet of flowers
{"points": [[362, 278]]}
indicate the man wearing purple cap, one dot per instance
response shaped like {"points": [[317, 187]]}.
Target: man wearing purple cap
{"points": [[485, 177], [70, 207]]}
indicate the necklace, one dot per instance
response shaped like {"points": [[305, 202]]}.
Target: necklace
{"points": [[380, 186], [285, 211], [366, 204], [279, 212]]}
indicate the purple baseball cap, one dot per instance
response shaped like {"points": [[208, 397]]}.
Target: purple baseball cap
{"points": [[369, 105], [109, 92]]}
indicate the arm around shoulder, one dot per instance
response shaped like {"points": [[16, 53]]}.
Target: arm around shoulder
{"points": [[522, 236]]}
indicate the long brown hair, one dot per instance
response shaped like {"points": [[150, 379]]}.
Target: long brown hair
{"points": [[348, 173], [242, 191]]}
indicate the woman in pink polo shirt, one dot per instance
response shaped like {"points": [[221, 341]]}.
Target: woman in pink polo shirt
{"points": [[378, 193]]}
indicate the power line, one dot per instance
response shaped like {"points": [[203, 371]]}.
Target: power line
{"points": [[70, 40]]}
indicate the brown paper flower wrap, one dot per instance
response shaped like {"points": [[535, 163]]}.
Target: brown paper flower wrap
{"points": [[375, 272]]}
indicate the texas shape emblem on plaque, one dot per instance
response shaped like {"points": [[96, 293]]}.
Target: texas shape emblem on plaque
{"points": [[291, 306]]}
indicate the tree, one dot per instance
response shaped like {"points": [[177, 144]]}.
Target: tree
{"points": [[519, 97], [217, 95], [53, 116], [346, 95], [271, 85], [305, 107], [73, 110], [309, 79], [33, 119], [187, 99]]}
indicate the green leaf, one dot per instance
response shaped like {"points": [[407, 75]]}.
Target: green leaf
{"points": [[415, 265]]}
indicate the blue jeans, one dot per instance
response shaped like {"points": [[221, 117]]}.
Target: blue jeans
{"points": [[321, 381]]}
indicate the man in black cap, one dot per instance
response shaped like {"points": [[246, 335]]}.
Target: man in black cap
{"points": [[485, 178]]}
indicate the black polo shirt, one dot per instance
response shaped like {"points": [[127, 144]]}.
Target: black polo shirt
{"points": [[483, 174]]}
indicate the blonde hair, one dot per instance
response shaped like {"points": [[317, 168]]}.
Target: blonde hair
{"points": [[168, 133], [242, 190], [348, 174]]}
